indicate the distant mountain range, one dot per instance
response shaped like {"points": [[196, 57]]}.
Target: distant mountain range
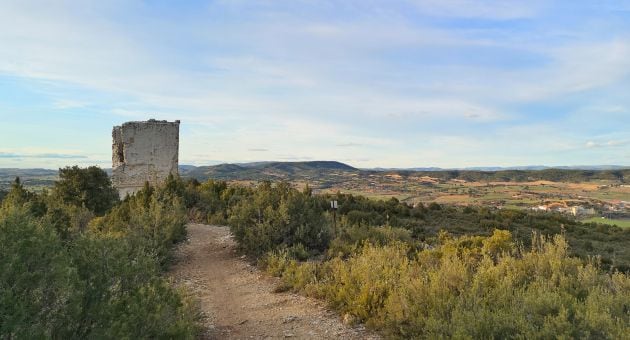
{"points": [[266, 170], [334, 165], [526, 168], [330, 173]]}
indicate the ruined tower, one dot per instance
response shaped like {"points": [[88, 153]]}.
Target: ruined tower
{"points": [[144, 152]]}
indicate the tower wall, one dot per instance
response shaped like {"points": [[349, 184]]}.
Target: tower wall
{"points": [[142, 152]]}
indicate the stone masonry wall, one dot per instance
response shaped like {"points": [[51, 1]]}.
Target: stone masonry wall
{"points": [[144, 151]]}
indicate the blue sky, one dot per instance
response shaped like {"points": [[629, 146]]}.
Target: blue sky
{"points": [[448, 83]]}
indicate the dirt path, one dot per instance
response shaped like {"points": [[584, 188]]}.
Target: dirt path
{"points": [[238, 300]]}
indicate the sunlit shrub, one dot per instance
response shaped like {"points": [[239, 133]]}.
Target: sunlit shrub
{"points": [[351, 238], [471, 287], [159, 222]]}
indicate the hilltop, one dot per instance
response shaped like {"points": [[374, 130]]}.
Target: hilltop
{"points": [[288, 171], [336, 172]]}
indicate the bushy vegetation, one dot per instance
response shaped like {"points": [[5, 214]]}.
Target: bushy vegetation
{"points": [[424, 222], [270, 217], [153, 219], [89, 188], [469, 287], [65, 274], [279, 216]]}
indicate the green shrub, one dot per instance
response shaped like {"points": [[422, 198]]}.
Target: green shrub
{"points": [[90, 188], [38, 283], [156, 218], [60, 279], [277, 217], [352, 237], [124, 295]]}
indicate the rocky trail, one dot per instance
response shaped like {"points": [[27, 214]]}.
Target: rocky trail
{"points": [[238, 301]]}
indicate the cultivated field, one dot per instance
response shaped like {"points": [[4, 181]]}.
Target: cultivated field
{"points": [[501, 194]]}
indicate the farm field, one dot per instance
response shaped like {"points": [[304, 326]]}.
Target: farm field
{"points": [[519, 195]]}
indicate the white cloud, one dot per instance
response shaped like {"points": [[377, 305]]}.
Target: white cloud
{"points": [[42, 155], [487, 9], [63, 104], [606, 144], [576, 68], [50, 158]]}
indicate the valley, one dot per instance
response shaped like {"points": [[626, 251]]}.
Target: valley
{"points": [[606, 192]]}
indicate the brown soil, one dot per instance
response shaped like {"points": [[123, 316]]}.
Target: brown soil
{"points": [[238, 301]]}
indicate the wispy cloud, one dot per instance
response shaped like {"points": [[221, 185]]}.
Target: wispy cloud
{"points": [[485, 9], [348, 145], [606, 144], [43, 155]]}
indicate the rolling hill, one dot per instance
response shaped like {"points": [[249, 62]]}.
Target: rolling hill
{"points": [[269, 171], [327, 174]]}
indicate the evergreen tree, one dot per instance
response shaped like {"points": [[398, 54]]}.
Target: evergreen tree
{"points": [[89, 187]]}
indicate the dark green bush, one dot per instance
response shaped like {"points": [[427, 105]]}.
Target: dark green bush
{"points": [[158, 218], [89, 188], [279, 216], [60, 279], [38, 283]]}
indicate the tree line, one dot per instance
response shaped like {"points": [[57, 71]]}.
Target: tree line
{"points": [[553, 175]]}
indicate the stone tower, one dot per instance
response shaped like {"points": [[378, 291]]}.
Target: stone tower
{"points": [[144, 152]]}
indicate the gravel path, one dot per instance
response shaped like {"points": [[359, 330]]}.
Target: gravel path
{"points": [[237, 300]]}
